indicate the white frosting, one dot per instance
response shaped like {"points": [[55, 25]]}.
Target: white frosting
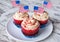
{"points": [[30, 24], [20, 16], [38, 16]]}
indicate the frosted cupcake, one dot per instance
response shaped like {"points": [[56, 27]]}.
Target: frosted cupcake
{"points": [[30, 27], [20, 16], [41, 16]]}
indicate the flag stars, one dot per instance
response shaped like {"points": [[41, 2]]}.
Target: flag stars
{"points": [[45, 2], [17, 2], [35, 7], [26, 7]]}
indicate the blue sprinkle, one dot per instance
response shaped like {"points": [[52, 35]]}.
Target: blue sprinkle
{"points": [[45, 2], [35, 7], [26, 7], [17, 2]]}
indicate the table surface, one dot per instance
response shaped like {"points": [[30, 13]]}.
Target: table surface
{"points": [[6, 12]]}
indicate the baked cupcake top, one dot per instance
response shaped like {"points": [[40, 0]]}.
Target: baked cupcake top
{"points": [[20, 16], [40, 16], [30, 24]]}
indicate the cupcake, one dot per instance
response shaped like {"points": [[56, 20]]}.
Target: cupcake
{"points": [[41, 16], [21, 15], [30, 27]]}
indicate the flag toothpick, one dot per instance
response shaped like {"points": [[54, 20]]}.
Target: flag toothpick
{"points": [[47, 4]]}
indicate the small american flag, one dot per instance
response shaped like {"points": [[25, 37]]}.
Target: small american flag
{"points": [[24, 9], [38, 9], [47, 4], [15, 3]]}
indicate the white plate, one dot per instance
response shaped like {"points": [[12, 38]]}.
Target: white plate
{"points": [[15, 31]]}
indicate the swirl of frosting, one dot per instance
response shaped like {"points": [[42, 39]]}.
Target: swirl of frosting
{"points": [[20, 16], [30, 24], [39, 16]]}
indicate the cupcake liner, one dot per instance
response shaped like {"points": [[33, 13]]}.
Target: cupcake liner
{"points": [[18, 22], [30, 32], [43, 21]]}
